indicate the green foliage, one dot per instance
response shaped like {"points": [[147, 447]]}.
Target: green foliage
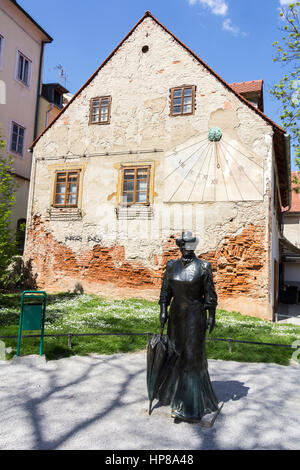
{"points": [[7, 201], [287, 91]]}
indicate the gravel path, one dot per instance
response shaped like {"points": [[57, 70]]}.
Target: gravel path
{"points": [[100, 402]]}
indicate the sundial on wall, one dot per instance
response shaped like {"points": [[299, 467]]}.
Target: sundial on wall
{"points": [[213, 167]]}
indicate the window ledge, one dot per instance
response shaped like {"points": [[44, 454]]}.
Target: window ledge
{"points": [[136, 211], [16, 154], [64, 213], [23, 84]]}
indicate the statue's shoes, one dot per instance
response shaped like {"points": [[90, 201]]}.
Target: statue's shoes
{"points": [[177, 415]]}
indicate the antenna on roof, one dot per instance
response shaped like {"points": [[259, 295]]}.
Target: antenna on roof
{"points": [[63, 76]]}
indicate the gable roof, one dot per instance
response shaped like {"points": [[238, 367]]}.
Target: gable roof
{"points": [[277, 129], [146, 15]]}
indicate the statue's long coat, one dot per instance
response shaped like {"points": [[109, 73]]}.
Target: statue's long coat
{"points": [[189, 288]]}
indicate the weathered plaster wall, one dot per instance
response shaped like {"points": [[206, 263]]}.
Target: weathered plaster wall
{"points": [[101, 248]]}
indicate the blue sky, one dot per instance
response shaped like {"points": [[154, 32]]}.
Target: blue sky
{"points": [[234, 37]]}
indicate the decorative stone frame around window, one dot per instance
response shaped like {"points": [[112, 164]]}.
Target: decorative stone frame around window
{"points": [[142, 210], [182, 100], [135, 185], [59, 212], [100, 110], [66, 188]]}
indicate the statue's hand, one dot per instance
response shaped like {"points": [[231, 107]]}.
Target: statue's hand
{"points": [[211, 324], [163, 315], [211, 319]]}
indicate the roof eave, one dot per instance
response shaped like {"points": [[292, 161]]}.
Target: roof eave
{"points": [[282, 156], [48, 37], [285, 243]]}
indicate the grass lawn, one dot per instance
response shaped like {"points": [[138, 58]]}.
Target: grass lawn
{"points": [[72, 313]]}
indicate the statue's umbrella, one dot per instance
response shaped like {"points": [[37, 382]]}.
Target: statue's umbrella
{"points": [[161, 357]]}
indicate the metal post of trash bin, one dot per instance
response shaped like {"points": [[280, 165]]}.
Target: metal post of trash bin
{"points": [[32, 315]]}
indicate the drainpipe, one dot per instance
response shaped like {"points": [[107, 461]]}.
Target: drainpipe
{"points": [[30, 197], [287, 144], [38, 90], [287, 147]]}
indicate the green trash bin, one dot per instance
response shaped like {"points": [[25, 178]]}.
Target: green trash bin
{"points": [[32, 315]]}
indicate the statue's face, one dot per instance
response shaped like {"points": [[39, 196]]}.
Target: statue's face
{"points": [[186, 251]]}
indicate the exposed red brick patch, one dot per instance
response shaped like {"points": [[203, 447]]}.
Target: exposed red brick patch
{"points": [[53, 260], [238, 264]]}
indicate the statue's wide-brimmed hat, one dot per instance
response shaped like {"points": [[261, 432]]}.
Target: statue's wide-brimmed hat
{"points": [[188, 240]]}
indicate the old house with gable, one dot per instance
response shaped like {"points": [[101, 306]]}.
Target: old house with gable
{"points": [[155, 142]]}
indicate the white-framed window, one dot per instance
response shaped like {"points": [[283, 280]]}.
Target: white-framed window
{"points": [[23, 68], [1, 50], [17, 138]]}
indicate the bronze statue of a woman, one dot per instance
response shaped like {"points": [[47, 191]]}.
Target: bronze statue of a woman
{"points": [[188, 286]]}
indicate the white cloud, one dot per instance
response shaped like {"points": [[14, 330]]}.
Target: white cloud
{"points": [[217, 7], [220, 7], [285, 2], [228, 26]]}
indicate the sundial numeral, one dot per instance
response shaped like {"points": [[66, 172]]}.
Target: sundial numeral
{"points": [[205, 177], [214, 181]]}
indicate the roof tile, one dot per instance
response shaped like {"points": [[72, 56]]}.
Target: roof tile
{"points": [[247, 87], [295, 205]]}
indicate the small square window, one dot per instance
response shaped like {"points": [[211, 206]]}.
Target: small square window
{"points": [[17, 138], [100, 110], [23, 69], [182, 100]]}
